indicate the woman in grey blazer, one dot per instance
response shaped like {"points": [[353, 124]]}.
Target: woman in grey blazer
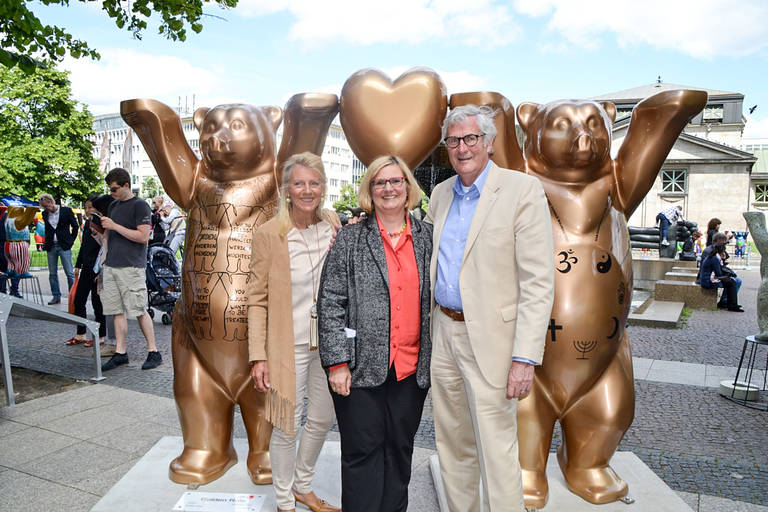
{"points": [[373, 312]]}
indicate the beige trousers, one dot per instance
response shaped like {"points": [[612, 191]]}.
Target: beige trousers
{"points": [[292, 470], [475, 427]]}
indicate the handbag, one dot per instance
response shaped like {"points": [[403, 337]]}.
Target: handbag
{"points": [[728, 272], [71, 298]]}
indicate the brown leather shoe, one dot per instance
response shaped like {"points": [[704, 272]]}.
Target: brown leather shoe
{"points": [[313, 503]]}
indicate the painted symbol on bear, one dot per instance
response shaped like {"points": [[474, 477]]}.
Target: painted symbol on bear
{"points": [[553, 328], [584, 346], [568, 259], [622, 292], [615, 327], [604, 266]]}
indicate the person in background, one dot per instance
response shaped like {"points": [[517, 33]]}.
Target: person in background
{"points": [[713, 226], [124, 277], [87, 279], [715, 274], [373, 309], [175, 226], [667, 217], [61, 229], [287, 257], [158, 233], [3, 261]]}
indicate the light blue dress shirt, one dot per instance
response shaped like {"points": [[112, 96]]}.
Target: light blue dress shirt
{"points": [[454, 238], [452, 241]]}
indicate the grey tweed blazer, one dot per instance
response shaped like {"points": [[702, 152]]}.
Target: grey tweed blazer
{"points": [[354, 293]]}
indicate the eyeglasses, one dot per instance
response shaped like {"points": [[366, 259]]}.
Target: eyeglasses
{"points": [[395, 182], [469, 139], [114, 189]]}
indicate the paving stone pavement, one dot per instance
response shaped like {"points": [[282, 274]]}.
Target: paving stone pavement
{"points": [[695, 440]]}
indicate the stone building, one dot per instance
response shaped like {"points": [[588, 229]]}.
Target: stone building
{"points": [[707, 172]]}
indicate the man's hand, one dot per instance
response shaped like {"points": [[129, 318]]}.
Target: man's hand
{"points": [[341, 380], [77, 272], [260, 376], [520, 379], [107, 223]]}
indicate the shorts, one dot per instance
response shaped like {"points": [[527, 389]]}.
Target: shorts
{"points": [[124, 290]]}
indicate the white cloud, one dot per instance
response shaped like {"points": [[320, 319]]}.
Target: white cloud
{"points": [[481, 23], [756, 128], [123, 74], [700, 28]]}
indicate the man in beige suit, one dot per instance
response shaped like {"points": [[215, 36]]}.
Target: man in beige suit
{"points": [[493, 282]]}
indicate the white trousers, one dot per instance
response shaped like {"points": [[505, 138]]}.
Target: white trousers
{"points": [[291, 470], [475, 427]]}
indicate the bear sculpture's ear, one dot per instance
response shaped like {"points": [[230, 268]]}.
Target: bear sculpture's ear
{"points": [[525, 114], [198, 117], [610, 109], [275, 115]]}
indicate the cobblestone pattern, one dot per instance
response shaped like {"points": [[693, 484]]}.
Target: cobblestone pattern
{"points": [[692, 438], [708, 337]]}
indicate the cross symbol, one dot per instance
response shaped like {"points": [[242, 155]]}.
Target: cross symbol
{"points": [[553, 327]]}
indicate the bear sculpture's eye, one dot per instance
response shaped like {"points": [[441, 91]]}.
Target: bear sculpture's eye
{"points": [[592, 123], [237, 124], [561, 124]]}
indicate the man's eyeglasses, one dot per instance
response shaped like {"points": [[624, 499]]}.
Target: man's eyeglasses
{"points": [[395, 182], [469, 140], [114, 189]]}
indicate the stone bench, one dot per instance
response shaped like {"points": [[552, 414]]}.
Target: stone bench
{"points": [[657, 313], [688, 277], [693, 295]]}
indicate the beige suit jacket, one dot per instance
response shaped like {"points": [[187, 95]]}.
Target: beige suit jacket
{"points": [[507, 272]]}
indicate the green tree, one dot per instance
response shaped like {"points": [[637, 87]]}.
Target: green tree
{"points": [[348, 199], [150, 187], [23, 35], [44, 144]]}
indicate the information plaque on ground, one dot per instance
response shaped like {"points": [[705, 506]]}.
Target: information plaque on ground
{"points": [[192, 501]]}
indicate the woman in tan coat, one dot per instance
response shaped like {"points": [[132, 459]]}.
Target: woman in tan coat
{"points": [[286, 261]]}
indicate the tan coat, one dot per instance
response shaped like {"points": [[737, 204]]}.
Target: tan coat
{"points": [[270, 319], [507, 272]]}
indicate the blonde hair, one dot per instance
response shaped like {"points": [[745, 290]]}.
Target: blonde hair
{"points": [[313, 162], [47, 197], [412, 191]]}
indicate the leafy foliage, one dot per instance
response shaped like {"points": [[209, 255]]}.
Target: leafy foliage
{"points": [[44, 136], [23, 35], [348, 199], [150, 187]]}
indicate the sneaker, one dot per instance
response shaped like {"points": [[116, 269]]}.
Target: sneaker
{"points": [[664, 242], [55, 300], [116, 360], [154, 359], [737, 309]]}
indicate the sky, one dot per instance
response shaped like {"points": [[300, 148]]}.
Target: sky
{"points": [[264, 51]]}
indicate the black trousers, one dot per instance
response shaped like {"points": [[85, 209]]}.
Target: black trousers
{"points": [[377, 427], [87, 285]]}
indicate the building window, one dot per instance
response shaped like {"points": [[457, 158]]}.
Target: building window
{"points": [[621, 113], [673, 181], [761, 192], [713, 114], [334, 182]]}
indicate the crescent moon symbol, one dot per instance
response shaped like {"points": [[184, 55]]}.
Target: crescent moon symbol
{"points": [[615, 327]]}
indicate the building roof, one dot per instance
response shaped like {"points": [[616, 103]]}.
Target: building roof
{"points": [[644, 91]]}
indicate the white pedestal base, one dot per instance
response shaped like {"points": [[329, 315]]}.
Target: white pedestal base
{"points": [[648, 490]]}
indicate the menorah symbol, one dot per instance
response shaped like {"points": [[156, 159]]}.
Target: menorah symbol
{"points": [[584, 346]]}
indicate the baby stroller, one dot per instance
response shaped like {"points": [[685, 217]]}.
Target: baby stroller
{"points": [[163, 281]]}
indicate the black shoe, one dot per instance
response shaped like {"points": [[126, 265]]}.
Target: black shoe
{"points": [[116, 360], [154, 359], [722, 305], [55, 300], [736, 309], [17, 295]]}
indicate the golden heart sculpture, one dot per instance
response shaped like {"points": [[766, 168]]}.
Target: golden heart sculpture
{"points": [[402, 118]]}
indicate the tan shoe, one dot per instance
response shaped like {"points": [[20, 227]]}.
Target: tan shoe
{"points": [[313, 503]]}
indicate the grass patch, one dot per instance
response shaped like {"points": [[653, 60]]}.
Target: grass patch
{"points": [[685, 314]]}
